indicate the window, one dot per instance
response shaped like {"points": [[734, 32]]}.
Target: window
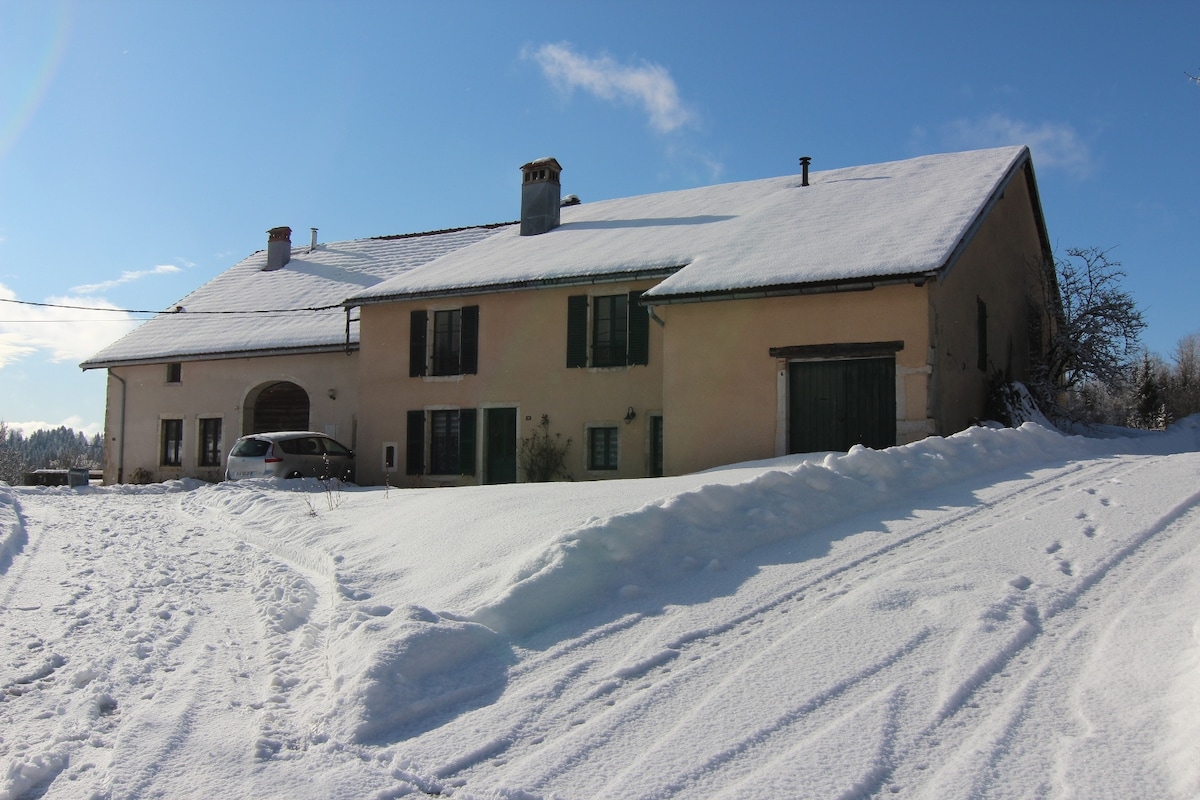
{"points": [[607, 331], [172, 442], [610, 330], [451, 442], [455, 342], [981, 333], [602, 448], [174, 372], [656, 445], [443, 442], [210, 442], [447, 342]]}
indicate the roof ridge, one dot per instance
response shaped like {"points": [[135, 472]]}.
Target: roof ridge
{"points": [[488, 226]]}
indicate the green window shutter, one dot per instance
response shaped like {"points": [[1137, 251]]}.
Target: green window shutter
{"points": [[414, 463], [639, 331], [418, 324], [577, 330], [466, 441], [470, 340]]}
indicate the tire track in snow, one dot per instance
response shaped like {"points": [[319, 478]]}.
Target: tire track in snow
{"points": [[117, 607], [1058, 637], [295, 591], [639, 685]]}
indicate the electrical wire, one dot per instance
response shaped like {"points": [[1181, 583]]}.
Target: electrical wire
{"points": [[175, 310]]}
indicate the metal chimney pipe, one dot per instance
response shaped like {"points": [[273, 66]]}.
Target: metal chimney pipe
{"points": [[313, 244], [804, 162]]}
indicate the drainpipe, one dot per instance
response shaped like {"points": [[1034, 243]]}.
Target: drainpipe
{"points": [[121, 440], [655, 317]]}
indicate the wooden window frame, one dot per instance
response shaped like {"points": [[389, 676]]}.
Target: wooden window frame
{"points": [[606, 458], [209, 451], [593, 344], [443, 342], [171, 449]]}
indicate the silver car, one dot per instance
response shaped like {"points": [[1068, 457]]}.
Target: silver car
{"points": [[289, 454]]}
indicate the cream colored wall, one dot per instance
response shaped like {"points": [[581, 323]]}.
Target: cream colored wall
{"points": [[522, 363], [216, 388], [725, 395], [998, 267]]}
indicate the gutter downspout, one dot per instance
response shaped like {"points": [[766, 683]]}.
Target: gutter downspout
{"points": [[348, 308], [121, 440], [655, 317]]}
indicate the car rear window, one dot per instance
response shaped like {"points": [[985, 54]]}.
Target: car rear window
{"points": [[251, 448], [304, 446]]}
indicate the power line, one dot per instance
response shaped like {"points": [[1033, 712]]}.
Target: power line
{"points": [[175, 310]]}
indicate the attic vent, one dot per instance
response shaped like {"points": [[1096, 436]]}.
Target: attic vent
{"points": [[804, 162], [571, 200]]}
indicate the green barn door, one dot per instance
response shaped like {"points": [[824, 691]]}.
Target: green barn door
{"points": [[834, 405], [500, 428]]}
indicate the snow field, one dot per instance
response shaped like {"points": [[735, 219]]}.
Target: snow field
{"points": [[1000, 613]]}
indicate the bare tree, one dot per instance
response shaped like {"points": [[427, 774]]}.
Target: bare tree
{"points": [[1092, 328], [1183, 385]]}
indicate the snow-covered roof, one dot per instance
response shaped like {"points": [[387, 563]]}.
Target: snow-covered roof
{"points": [[848, 226], [246, 310], [877, 221]]}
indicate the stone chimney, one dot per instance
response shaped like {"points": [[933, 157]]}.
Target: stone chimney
{"points": [[279, 247], [540, 196]]}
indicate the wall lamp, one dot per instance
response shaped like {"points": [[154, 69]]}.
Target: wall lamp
{"points": [[630, 415]]}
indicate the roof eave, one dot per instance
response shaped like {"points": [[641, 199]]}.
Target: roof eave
{"points": [[517, 286], [792, 289], [219, 355]]}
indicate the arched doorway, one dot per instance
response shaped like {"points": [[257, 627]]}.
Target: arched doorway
{"points": [[280, 406]]}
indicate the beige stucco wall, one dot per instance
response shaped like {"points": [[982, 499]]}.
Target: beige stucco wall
{"points": [[522, 364], [999, 267], [725, 396], [216, 388]]}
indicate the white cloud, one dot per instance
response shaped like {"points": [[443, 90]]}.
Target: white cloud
{"points": [[647, 85], [126, 277], [1054, 145], [65, 334]]}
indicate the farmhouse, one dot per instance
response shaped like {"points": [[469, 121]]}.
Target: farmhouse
{"points": [[679, 331], [659, 334], [263, 346]]}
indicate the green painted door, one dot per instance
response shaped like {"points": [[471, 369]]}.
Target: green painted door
{"points": [[833, 405], [501, 433]]}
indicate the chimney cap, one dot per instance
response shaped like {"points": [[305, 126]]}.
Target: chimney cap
{"points": [[547, 161], [281, 234]]}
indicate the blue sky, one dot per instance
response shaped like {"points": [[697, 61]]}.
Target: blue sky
{"points": [[147, 146]]}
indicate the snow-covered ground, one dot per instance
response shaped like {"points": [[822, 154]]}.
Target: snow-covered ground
{"points": [[1001, 613]]}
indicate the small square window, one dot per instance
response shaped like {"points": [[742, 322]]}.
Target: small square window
{"points": [[602, 448], [174, 372]]}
